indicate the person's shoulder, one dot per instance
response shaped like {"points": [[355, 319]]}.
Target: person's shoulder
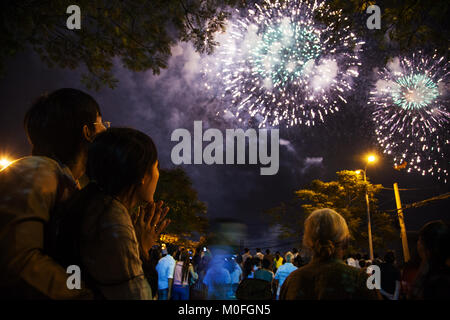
{"points": [[36, 165], [117, 215], [33, 174]]}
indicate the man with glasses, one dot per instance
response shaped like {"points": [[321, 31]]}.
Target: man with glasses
{"points": [[59, 127]]}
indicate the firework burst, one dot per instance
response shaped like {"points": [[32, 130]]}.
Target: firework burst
{"points": [[411, 112], [279, 64]]}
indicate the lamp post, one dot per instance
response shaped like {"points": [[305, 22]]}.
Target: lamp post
{"points": [[370, 158]]}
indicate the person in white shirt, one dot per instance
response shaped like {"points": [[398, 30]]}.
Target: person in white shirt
{"points": [[165, 269], [352, 262], [284, 271], [246, 255], [235, 271], [259, 254]]}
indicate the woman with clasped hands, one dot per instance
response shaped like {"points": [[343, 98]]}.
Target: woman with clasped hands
{"points": [[114, 221]]}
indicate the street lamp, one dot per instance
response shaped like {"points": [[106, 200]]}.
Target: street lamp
{"points": [[371, 158], [4, 162]]}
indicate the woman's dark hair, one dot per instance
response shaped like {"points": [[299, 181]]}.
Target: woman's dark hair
{"points": [[435, 236], [54, 123], [248, 267], [119, 158], [184, 257], [432, 281]]}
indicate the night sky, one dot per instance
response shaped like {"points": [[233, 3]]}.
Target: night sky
{"points": [[159, 104]]}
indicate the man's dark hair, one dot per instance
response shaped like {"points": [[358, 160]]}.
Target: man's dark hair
{"points": [[246, 250], [266, 263], [294, 250], [54, 123], [362, 263], [171, 248], [258, 250], [267, 251], [389, 257]]}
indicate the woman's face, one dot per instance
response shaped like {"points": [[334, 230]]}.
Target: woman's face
{"points": [[149, 182]]}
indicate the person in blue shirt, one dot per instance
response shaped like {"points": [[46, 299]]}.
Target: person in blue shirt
{"points": [[284, 271]]}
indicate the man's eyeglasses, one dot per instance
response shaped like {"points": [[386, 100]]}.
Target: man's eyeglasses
{"points": [[106, 124]]}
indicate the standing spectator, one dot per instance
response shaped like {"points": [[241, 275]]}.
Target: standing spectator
{"points": [[268, 256], [165, 269], [183, 269], [198, 289], [235, 273], [278, 261], [433, 279], [150, 269], [352, 261], [218, 279], [326, 276], [295, 253], [410, 269], [358, 258], [259, 254], [246, 255], [390, 277], [284, 271], [197, 257], [264, 273], [250, 266]]}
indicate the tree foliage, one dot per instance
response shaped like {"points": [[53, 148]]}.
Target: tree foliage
{"points": [[346, 195], [405, 24], [138, 32], [187, 212]]}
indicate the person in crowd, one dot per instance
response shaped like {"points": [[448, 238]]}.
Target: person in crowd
{"points": [[270, 257], [165, 269], [278, 261], [59, 126], [198, 289], [298, 261], [259, 254], [283, 272], [235, 271], [197, 257], [358, 257], [410, 269], [218, 280], [109, 227], [351, 261], [363, 263], [264, 272], [246, 255], [433, 279], [250, 266], [295, 252], [326, 277], [390, 279], [183, 270], [150, 269]]}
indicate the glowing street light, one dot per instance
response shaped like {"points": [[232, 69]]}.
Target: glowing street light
{"points": [[371, 158], [4, 162]]}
